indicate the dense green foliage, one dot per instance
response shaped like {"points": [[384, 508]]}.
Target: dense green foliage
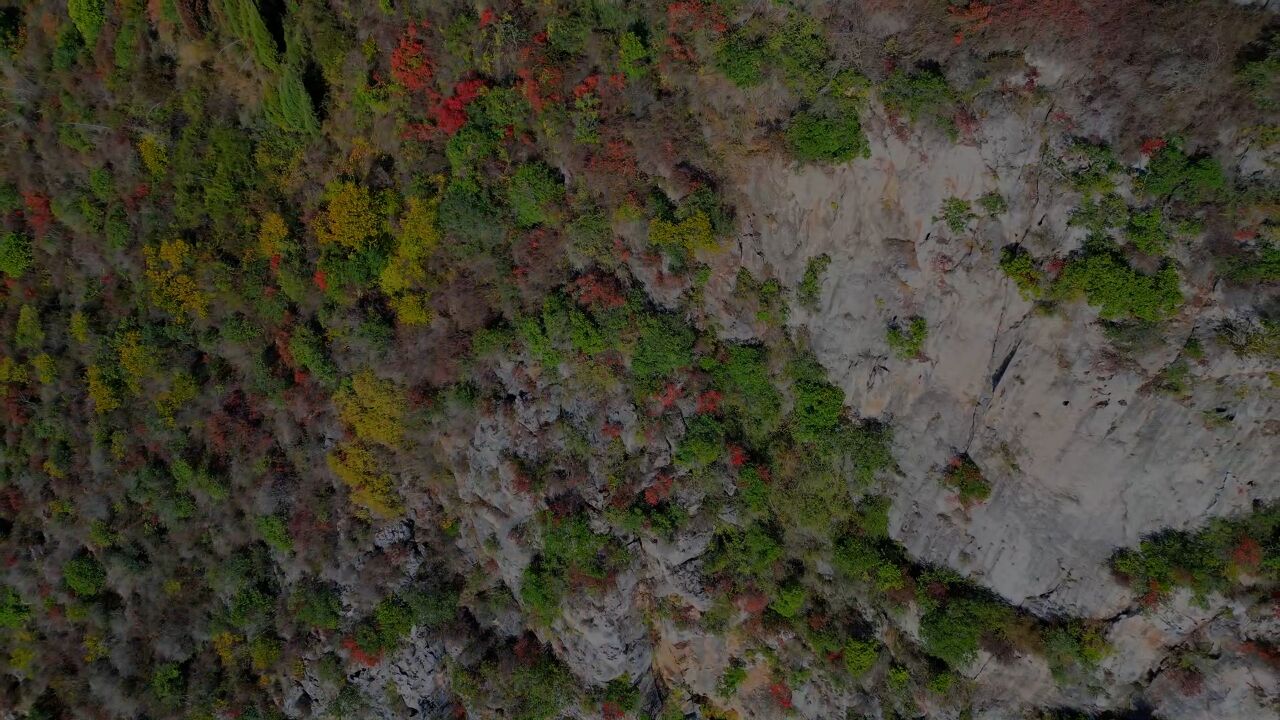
{"points": [[1107, 281], [814, 138], [1212, 559]]}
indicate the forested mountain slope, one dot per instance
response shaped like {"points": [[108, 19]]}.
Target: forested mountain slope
{"points": [[717, 359]]}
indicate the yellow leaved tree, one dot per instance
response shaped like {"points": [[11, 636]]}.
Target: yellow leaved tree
{"points": [[170, 274], [404, 277], [350, 218], [373, 407]]}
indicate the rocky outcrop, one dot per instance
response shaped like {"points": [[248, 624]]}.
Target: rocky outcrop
{"points": [[1083, 456]]}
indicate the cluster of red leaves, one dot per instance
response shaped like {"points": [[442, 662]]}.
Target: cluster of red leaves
{"points": [[617, 159], [597, 290], [1247, 554], [411, 65], [450, 114], [538, 85], [527, 649], [966, 124], [1266, 652], [539, 81], [737, 456], [12, 499], [134, 199], [660, 489], [611, 430], [781, 694], [320, 280], [1060, 16], [1151, 598], [753, 603], [709, 401], [359, 655], [611, 710], [236, 427], [38, 214], [1151, 146], [668, 396], [587, 86], [690, 15], [487, 16]]}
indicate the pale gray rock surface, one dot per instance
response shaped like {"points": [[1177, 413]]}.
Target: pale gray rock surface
{"points": [[1083, 457]]}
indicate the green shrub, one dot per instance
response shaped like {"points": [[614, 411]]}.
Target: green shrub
{"points": [[811, 284], [664, 346], [1107, 282], [993, 203], [245, 23], [15, 254], [309, 351], [1174, 378], [569, 547], [790, 601], [1260, 72], [316, 605], [819, 405], [860, 656], [966, 477], [1146, 231], [864, 450], [84, 575], [1172, 174], [731, 679], [1023, 270], [466, 212], [741, 57], [819, 138], [1261, 265], [622, 694], [88, 16], [956, 213], [1097, 217], [702, 442], [907, 343], [1073, 647], [861, 559], [951, 632], [1090, 166], [275, 532], [1208, 560], [799, 49], [920, 93], [167, 683], [633, 56], [744, 555], [13, 612], [1258, 339], [744, 380], [532, 191]]}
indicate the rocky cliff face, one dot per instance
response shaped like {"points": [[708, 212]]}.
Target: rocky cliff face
{"points": [[1084, 456]]}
